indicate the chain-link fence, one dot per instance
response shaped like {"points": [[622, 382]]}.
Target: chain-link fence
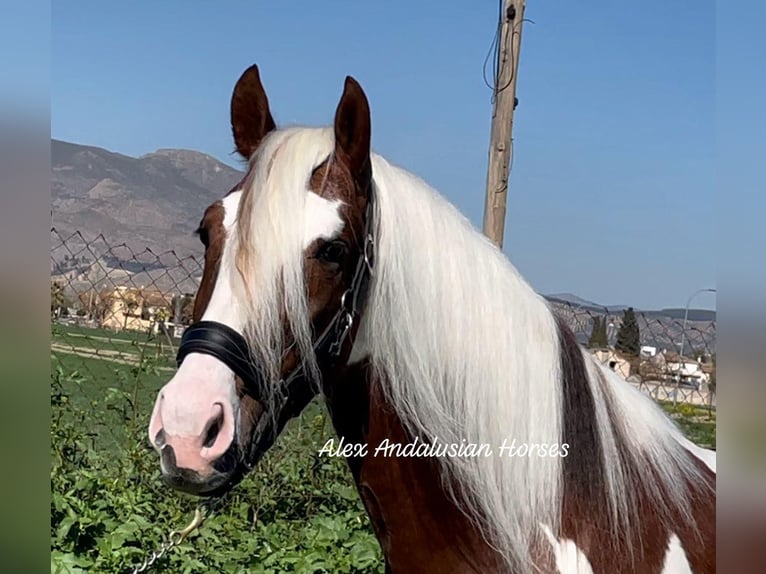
{"points": [[118, 297], [656, 364], [113, 304], [117, 315]]}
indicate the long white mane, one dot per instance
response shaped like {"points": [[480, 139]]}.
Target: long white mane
{"points": [[463, 346]]}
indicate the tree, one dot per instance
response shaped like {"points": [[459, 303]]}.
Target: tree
{"points": [[593, 341], [598, 339], [629, 336]]}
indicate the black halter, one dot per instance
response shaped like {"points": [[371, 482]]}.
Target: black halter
{"points": [[294, 391]]}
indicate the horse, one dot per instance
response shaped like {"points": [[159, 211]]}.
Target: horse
{"points": [[330, 271]]}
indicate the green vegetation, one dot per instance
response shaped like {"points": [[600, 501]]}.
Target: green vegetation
{"points": [[697, 423], [74, 333], [598, 338], [296, 513], [629, 336]]}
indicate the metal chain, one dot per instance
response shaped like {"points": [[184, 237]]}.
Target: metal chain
{"points": [[176, 537]]}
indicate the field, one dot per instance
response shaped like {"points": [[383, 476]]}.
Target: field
{"points": [[298, 513], [110, 365]]}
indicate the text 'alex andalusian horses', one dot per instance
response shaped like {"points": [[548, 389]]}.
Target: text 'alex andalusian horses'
{"points": [[329, 270]]}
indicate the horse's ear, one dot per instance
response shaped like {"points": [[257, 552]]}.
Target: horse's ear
{"points": [[250, 116], [352, 130]]}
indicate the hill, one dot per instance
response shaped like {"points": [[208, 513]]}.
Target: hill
{"points": [[153, 201]]}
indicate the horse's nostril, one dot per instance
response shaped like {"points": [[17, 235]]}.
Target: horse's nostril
{"points": [[213, 429], [168, 457], [160, 439]]}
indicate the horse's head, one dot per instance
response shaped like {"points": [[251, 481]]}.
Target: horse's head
{"points": [[287, 261]]}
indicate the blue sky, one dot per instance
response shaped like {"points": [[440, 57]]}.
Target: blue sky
{"points": [[612, 189]]}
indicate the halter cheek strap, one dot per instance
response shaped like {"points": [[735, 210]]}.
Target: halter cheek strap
{"points": [[286, 398]]}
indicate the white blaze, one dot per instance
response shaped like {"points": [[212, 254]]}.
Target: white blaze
{"points": [[322, 219]]}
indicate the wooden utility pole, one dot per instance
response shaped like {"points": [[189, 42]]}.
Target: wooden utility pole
{"points": [[502, 121]]}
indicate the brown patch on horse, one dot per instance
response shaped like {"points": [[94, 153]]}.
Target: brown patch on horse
{"points": [[583, 479], [420, 529], [701, 555], [213, 236], [585, 509], [346, 176]]}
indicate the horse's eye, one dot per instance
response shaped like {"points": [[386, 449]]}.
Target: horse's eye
{"points": [[332, 252]]}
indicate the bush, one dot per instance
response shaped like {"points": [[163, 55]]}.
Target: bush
{"points": [[109, 508]]}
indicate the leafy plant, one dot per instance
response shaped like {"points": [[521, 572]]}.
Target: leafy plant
{"points": [[109, 507]]}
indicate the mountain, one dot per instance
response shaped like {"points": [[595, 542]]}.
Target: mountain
{"points": [[153, 201], [584, 303], [694, 314], [580, 304]]}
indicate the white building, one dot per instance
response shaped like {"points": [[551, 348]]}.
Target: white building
{"points": [[688, 370], [647, 351]]}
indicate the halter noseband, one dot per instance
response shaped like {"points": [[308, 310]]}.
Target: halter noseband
{"points": [[295, 391]]}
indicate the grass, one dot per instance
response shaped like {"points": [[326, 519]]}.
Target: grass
{"points": [[90, 332], [116, 392], [116, 379], [697, 423], [123, 341]]}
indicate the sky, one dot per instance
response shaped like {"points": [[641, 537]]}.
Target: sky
{"points": [[612, 189]]}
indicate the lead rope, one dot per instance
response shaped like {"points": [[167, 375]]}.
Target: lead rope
{"points": [[176, 537]]}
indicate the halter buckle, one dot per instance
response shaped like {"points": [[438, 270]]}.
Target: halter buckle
{"points": [[346, 322]]}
